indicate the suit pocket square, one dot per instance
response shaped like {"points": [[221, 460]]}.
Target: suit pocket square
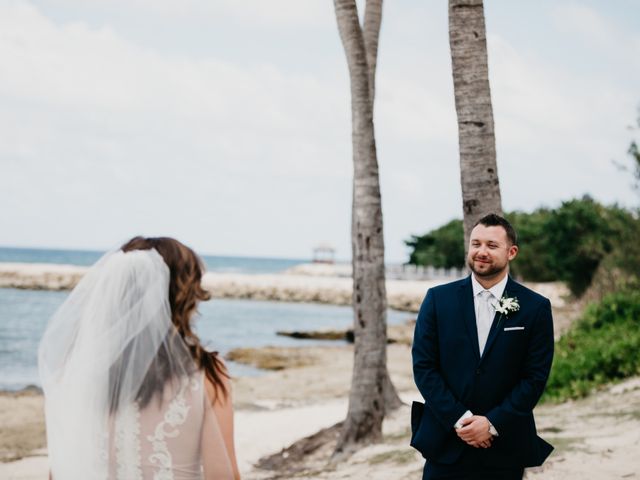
{"points": [[510, 329]]}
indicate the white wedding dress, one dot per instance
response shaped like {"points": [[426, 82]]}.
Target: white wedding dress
{"points": [[111, 341], [175, 440]]}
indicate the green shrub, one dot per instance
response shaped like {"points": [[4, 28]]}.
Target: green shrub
{"points": [[535, 259], [579, 235], [567, 243], [602, 347], [440, 248]]}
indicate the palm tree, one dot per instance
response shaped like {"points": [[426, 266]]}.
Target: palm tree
{"points": [[371, 391], [478, 167]]}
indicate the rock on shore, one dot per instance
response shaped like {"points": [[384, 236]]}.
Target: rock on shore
{"points": [[406, 295], [402, 295], [40, 276]]}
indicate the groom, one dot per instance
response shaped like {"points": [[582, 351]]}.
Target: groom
{"points": [[482, 352]]}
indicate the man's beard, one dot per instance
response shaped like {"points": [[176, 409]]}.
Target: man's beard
{"points": [[493, 271]]}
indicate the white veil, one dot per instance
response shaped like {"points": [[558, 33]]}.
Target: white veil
{"points": [[110, 355]]}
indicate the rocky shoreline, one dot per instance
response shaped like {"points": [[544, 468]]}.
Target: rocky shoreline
{"points": [[404, 295], [284, 287], [40, 276]]}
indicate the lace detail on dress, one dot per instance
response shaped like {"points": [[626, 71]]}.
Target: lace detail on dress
{"points": [[127, 443], [174, 417]]}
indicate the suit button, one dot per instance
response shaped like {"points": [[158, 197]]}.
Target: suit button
{"points": [[478, 371]]}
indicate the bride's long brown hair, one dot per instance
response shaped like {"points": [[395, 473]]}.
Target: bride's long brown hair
{"points": [[185, 291]]}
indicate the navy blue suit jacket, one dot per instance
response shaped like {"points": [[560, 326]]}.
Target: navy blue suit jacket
{"points": [[504, 384]]}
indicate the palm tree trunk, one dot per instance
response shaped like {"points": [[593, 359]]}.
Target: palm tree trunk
{"points": [[371, 387], [371, 33], [478, 167]]}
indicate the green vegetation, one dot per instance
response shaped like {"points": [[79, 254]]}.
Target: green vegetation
{"points": [[595, 249], [591, 247], [535, 259], [567, 243], [634, 153], [601, 347], [440, 248], [579, 235]]}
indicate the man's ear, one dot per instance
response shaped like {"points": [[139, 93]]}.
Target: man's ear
{"points": [[513, 252]]}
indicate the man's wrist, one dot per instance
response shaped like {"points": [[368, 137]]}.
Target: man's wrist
{"points": [[492, 429]]}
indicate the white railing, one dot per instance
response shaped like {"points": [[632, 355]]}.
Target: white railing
{"points": [[393, 271]]}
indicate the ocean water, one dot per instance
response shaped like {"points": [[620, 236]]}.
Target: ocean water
{"points": [[86, 257], [221, 324]]}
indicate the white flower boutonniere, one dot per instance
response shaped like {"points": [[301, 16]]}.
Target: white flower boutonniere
{"points": [[507, 305]]}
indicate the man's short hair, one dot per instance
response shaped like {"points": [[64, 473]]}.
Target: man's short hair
{"points": [[495, 220]]}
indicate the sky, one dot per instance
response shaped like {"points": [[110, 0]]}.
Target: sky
{"points": [[227, 124]]}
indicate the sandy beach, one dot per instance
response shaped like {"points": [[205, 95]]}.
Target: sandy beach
{"points": [[272, 411], [597, 437], [309, 392]]}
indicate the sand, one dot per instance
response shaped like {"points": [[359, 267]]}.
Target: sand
{"points": [[21, 424], [597, 437]]}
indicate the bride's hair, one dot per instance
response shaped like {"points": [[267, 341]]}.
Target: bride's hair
{"points": [[185, 291]]}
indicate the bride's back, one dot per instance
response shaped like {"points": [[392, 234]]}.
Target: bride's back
{"points": [[126, 381], [169, 437]]}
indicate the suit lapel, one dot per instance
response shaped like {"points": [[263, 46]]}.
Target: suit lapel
{"points": [[469, 314], [499, 319]]}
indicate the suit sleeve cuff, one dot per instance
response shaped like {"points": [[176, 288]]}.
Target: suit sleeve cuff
{"points": [[465, 415]]}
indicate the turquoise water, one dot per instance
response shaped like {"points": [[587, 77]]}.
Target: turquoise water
{"points": [[221, 324]]}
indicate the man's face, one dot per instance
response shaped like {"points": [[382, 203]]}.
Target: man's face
{"points": [[490, 251]]}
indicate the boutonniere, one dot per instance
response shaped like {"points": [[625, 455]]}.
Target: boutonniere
{"points": [[505, 306]]}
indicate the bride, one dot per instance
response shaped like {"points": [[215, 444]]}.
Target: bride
{"points": [[130, 393]]}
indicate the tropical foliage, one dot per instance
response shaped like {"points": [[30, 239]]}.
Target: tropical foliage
{"points": [[567, 243], [601, 347]]}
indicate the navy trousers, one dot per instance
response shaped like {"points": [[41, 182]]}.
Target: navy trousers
{"points": [[436, 471]]}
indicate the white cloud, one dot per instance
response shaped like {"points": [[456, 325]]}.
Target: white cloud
{"points": [[91, 116], [104, 134], [553, 119], [273, 13], [96, 74], [598, 30]]}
